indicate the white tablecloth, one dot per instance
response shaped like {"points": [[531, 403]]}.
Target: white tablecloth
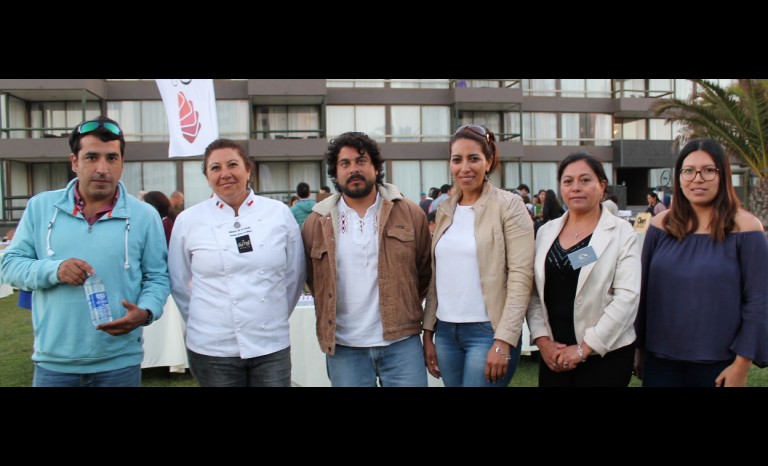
{"points": [[164, 340], [5, 289]]}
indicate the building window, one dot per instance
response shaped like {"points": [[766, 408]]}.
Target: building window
{"points": [[232, 116], [585, 129], [278, 180], [369, 119], [539, 87], [491, 120], [390, 83], [412, 177], [540, 129], [412, 123], [196, 188], [537, 175], [150, 176], [141, 121], [288, 122]]}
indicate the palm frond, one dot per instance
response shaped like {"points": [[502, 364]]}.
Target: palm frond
{"points": [[737, 117]]}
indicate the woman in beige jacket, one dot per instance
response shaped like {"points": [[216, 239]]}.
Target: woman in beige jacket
{"points": [[482, 262], [587, 285]]}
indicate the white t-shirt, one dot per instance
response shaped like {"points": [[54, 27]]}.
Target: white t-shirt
{"points": [[459, 293]]}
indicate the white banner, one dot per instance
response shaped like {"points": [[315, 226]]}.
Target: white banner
{"points": [[190, 105]]}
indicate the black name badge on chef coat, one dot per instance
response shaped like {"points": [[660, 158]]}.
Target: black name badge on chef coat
{"points": [[582, 257], [244, 243]]}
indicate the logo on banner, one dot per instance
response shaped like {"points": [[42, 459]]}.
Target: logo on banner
{"points": [[189, 119]]}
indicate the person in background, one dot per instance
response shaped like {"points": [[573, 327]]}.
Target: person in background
{"points": [[426, 201], [177, 201], [587, 285], [162, 204], [431, 222], [367, 254], [550, 210], [324, 193], [703, 315], [610, 202], [523, 190], [91, 226], [655, 206], [237, 271], [482, 271], [445, 192], [302, 209]]}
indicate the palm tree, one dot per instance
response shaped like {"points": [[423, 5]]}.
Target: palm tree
{"points": [[736, 117]]}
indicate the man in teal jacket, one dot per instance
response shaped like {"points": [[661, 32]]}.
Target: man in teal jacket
{"points": [[91, 226]]}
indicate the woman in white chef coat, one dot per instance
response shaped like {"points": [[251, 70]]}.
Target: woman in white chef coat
{"points": [[237, 269]]}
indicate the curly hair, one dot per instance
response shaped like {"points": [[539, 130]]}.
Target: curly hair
{"points": [[362, 144]]}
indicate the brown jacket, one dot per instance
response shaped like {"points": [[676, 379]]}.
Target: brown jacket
{"points": [[504, 238], [404, 265]]}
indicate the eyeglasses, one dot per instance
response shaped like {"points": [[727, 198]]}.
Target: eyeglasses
{"points": [[477, 129], [89, 126], [707, 174]]}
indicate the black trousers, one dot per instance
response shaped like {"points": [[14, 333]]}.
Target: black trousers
{"points": [[612, 370]]}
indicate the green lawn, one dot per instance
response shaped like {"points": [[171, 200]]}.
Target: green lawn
{"points": [[16, 350]]}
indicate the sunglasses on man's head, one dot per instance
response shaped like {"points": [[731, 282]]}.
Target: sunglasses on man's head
{"points": [[477, 129], [89, 126]]}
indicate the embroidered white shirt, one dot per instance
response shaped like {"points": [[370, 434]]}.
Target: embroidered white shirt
{"points": [[358, 319]]}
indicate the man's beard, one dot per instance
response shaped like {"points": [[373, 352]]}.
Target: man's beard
{"points": [[359, 192]]}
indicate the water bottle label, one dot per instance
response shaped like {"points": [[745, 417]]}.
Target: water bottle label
{"points": [[100, 305]]}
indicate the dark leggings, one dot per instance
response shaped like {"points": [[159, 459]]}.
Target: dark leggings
{"points": [[612, 370], [662, 372]]}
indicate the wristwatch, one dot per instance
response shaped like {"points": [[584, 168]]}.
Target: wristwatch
{"points": [[150, 318]]}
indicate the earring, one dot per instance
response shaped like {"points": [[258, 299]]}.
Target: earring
{"points": [[487, 177], [453, 181]]}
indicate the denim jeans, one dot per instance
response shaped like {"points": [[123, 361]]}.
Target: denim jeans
{"points": [[462, 349], [400, 364], [270, 370], [126, 377]]}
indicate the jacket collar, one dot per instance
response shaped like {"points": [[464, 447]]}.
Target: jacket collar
{"points": [[67, 201], [389, 193], [601, 238]]}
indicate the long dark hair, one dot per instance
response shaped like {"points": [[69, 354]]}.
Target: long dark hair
{"points": [[161, 203], [682, 221]]}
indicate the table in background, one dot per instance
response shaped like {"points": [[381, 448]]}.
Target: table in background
{"points": [[5, 289], [308, 361], [164, 344]]}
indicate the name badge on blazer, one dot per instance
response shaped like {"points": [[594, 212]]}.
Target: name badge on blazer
{"points": [[582, 257]]}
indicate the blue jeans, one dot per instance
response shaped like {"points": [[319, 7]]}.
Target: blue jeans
{"points": [[270, 370], [400, 364], [126, 377], [462, 350]]}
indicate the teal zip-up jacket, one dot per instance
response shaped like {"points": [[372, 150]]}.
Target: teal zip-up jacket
{"points": [[126, 248]]}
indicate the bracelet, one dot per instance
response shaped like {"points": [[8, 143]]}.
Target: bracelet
{"points": [[580, 352], [501, 352]]}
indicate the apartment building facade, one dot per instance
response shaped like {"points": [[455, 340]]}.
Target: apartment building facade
{"points": [[285, 126]]}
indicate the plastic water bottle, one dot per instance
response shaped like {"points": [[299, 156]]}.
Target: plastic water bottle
{"points": [[98, 303]]}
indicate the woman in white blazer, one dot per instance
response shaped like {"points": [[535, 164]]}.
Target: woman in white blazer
{"points": [[586, 285]]}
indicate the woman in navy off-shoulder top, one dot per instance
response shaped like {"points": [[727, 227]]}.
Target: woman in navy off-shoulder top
{"points": [[703, 315]]}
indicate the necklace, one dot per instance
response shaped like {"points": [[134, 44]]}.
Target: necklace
{"points": [[576, 235]]}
